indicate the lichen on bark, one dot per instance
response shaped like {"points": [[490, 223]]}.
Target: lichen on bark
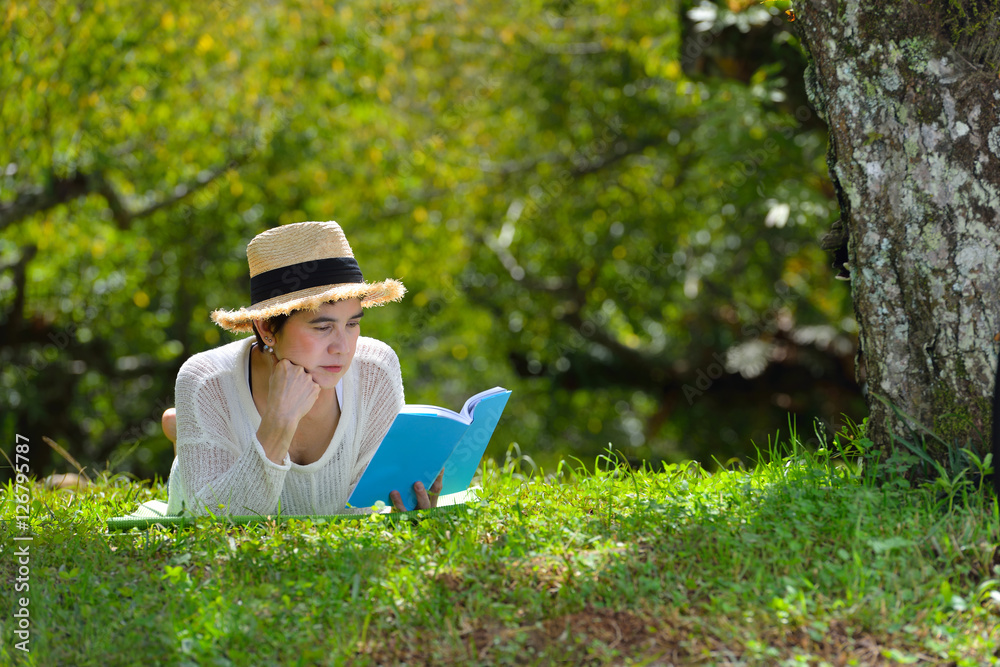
{"points": [[912, 107]]}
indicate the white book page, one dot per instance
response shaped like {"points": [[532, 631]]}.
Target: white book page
{"points": [[465, 416], [470, 404], [419, 409]]}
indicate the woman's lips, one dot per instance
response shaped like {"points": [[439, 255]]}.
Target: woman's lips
{"points": [[332, 369]]}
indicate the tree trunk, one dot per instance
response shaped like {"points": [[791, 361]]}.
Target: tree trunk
{"points": [[911, 96]]}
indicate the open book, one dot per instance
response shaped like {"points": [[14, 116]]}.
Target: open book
{"points": [[422, 440]]}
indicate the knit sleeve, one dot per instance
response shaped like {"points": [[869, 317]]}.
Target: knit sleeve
{"points": [[380, 393], [219, 472]]}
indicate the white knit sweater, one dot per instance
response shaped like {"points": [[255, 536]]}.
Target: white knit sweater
{"points": [[220, 461]]}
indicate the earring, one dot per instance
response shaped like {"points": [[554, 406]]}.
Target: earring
{"points": [[267, 347]]}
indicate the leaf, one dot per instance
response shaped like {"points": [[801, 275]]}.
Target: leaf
{"points": [[881, 546]]}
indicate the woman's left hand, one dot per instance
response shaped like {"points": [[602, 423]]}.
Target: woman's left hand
{"points": [[426, 498]]}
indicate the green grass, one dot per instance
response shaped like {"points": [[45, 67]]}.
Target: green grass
{"points": [[800, 561]]}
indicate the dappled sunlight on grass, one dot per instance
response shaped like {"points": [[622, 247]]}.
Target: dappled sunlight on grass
{"points": [[800, 559]]}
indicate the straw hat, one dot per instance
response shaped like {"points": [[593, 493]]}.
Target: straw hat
{"points": [[300, 267]]}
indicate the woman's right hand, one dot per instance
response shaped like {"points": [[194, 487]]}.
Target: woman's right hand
{"points": [[291, 392]]}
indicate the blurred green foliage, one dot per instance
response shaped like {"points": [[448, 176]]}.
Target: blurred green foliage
{"points": [[611, 208]]}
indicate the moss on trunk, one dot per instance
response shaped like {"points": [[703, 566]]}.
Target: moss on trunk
{"points": [[913, 105]]}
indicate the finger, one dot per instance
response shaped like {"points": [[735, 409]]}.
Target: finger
{"points": [[279, 369], [423, 501], [435, 490], [397, 501]]}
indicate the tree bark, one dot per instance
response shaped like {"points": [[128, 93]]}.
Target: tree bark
{"points": [[912, 99]]}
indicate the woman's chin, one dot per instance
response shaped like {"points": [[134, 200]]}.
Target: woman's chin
{"points": [[327, 378]]}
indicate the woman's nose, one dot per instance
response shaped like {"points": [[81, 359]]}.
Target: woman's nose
{"points": [[339, 342]]}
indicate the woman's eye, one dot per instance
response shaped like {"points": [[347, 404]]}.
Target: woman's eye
{"points": [[354, 324]]}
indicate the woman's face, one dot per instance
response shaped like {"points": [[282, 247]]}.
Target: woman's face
{"points": [[322, 342]]}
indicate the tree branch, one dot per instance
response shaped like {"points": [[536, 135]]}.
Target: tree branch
{"points": [[15, 316], [40, 198], [64, 190], [519, 166]]}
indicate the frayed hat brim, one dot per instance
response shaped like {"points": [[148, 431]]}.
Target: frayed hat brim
{"points": [[374, 294]]}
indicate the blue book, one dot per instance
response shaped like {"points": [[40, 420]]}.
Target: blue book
{"points": [[423, 440]]}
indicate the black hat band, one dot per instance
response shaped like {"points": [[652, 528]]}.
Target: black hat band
{"points": [[304, 275]]}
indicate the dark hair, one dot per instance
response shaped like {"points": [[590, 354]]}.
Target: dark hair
{"points": [[275, 324]]}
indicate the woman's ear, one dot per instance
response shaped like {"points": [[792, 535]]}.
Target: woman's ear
{"points": [[263, 329]]}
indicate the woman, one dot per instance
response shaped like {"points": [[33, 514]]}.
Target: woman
{"points": [[288, 418]]}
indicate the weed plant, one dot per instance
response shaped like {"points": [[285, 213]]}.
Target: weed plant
{"points": [[804, 559]]}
